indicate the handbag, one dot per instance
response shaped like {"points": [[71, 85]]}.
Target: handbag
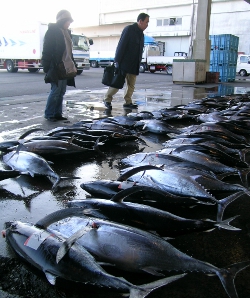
{"points": [[113, 77], [61, 72]]}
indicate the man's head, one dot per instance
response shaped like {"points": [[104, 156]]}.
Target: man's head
{"points": [[143, 20], [64, 19]]}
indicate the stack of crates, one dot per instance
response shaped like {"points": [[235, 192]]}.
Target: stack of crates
{"points": [[223, 56]]}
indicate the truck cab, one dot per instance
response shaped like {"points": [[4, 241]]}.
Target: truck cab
{"points": [[243, 65]]}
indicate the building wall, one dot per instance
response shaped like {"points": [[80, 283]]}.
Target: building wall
{"points": [[227, 17]]}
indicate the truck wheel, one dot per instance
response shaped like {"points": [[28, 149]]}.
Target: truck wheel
{"points": [[33, 69], [10, 66], [243, 73], [79, 71], [169, 70], [94, 64], [142, 68]]}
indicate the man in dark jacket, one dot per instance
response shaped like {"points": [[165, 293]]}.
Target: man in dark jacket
{"points": [[57, 48], [128, 58]]}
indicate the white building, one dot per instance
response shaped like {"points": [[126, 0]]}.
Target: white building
{"points": [[171, 21]]}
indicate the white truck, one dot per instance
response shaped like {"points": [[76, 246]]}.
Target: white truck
{"points": [[21, 47], [243, 65], [153, 58], [101, 58]]}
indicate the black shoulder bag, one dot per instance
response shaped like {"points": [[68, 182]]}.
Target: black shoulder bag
{"points": [[113, 77]]}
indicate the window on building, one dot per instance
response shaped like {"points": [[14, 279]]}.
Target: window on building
{"points": [[159, 22], [178, 21], [165, 22], [172, 21]]}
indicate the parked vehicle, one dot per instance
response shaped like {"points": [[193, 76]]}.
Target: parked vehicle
{"points": [[21, 47], [153, 58], [243, 65], [101, 58]]}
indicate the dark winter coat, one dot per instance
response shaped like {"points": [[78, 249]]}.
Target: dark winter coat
{"points": [[129, 49], [53, 49]]}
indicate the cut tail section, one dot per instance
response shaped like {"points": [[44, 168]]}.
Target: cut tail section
{"points": [[227, 276]]}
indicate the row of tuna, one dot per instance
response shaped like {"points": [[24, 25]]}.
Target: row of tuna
{"points": [[127, 223]]}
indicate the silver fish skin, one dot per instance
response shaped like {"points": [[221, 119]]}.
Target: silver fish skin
{"points": [[132, 249], [173, 182], [30, 163], [40, 248]]}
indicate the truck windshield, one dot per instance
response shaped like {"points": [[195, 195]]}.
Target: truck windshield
{"points": [[80, 42]]}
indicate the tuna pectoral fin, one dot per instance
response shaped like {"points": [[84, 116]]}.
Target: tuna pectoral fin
{"points": [[148, 288], [222, 204], [227, 276], [65, 247], [51, 278]]}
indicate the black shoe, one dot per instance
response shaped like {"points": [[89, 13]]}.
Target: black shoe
{"points": [[107, 105], [130, 106], [51, 119], [60, 118]]}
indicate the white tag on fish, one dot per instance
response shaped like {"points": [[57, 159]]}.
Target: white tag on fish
{"points": [[126, 184], [36, 239]]}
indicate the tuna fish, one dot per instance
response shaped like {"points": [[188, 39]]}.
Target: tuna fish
{"points": [[40, 249], [135, 250], [32, 164]]}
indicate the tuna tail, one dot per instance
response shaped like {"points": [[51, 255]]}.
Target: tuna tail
{"points": [[222, 204], [96, 147], [243, 176], [146, 289], [227, 276], [243, 153], [225, 224]]}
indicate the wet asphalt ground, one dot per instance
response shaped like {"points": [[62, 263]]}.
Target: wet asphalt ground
{"points": [[29, 199]]}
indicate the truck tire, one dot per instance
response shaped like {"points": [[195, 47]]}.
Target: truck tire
{"points": [[94, 64], [169, 70], [10, 66], [243, 73], [142, 68], [79, 71]]}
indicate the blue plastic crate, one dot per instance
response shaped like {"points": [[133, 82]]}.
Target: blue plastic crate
{"points": [[224, 42]]}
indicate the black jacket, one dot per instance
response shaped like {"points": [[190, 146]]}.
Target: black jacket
{"points": [[53, 49], [129, 49]]}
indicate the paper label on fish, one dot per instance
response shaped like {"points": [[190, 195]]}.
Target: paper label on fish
{"points": [[36, 239], [126, 184]]}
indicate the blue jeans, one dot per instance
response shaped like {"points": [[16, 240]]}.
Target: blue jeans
{"points": [[55, 99]]}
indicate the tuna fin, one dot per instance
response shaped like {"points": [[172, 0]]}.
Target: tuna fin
{"points": [[227, 276], [242, 153], [65, 247], [243, 176], [96, 147], [152, 271], [146, 289], [136, 170], [29, 132], [50, 277], [225, 224], [222, 204]]}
